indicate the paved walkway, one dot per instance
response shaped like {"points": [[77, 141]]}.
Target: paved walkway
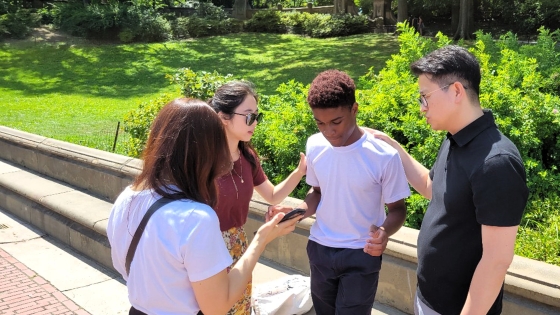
{"points": [[40, 275], [25, 292]]}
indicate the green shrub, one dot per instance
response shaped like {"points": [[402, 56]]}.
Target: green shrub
{"points": [[179, 27], [137, 124], [126, 35], [147, 25], [266, 21], [47, 14], [200, 27], [539, 233], [209, 11], [283, 132], [92, 21], [326, 25], [200, 84], [18, 24], [122, 20], [208, 20], [295, 21], [314, 25]]}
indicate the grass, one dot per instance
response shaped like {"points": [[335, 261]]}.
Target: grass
{"points": [[72, 92]]}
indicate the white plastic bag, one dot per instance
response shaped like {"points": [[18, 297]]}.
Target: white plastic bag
{"points": [[290, 295]]}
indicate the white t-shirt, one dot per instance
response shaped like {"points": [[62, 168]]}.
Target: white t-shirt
{"points": [[182, 243], [356, 182]]}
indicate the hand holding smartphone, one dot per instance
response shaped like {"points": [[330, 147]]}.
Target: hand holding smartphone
{"points": [[293, 213]]}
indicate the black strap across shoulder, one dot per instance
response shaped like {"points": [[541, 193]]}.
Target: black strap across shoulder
{"points": [[136, 238]]}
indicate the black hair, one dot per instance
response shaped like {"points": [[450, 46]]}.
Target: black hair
{"points": [[331, 89], [448, 64]]}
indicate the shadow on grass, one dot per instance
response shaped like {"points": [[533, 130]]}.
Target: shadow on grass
{"points": [[123, 71]]}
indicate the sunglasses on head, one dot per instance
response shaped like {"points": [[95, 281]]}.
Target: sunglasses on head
{"points": [[251, 118]]}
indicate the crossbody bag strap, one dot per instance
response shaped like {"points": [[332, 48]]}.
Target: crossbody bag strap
{"points": [[136, 238]]}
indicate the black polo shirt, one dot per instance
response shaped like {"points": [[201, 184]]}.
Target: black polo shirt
{"points": [[477, 179]]}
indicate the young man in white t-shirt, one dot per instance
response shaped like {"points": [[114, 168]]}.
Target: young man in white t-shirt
{"points": [[354, 177]]}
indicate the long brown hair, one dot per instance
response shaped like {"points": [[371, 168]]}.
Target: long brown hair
{"points": [[186, 151], [225, 100]]}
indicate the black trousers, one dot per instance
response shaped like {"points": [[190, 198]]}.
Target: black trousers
{"points": [[343, 280], [134, 311]]}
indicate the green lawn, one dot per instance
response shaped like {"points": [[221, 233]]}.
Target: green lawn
{"points": [[74, 92]]}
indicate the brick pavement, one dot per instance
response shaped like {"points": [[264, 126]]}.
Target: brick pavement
{"points": [[23, 292]]}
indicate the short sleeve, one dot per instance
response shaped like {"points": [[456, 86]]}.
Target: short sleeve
{"points": [[259, 176], [500, 191], [394, 182], [204, 251], [310, 177]]}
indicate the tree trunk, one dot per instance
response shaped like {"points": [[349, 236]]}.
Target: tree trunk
{"points": [[455, 5], [466, 20], [402, 11]]}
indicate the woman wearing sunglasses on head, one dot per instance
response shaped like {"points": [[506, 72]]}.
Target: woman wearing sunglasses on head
{"points": [[236, 104]]}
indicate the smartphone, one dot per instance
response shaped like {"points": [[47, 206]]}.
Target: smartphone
{"points": [[293, 213]]}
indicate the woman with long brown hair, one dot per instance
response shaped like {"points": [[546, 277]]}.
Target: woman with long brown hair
{"points": [[180, 262]]}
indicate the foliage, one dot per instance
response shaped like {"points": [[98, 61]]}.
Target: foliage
{"points": [[46, 13], [18, 24], [539, 234], [366, 6], [513, 86], [528, 16], [195, 27], [137, 124], [209, 20], [198, 84], [326, 25], [314, 25], [93, 21], [210, 11], [284, 131], [127, 22], [144, 24], [266, 21]]}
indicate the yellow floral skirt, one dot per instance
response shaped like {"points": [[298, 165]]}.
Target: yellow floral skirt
{"points": [[237, 243]]}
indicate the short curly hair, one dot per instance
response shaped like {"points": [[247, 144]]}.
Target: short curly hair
{"points": [[331, 89]]}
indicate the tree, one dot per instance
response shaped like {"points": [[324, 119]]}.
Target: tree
{"points": [[455, 7], [402, 11], [465, 26]]}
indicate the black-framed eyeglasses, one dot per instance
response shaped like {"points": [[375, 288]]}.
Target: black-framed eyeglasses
{"points": [[422, 99], [251, 117]]}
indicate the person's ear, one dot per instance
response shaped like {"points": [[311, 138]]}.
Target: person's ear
{"points": [[355, 108], [460, 91], [223, 118]]}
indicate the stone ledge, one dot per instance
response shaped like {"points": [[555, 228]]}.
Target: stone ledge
{"points": [[102, 173], [74, 217]]}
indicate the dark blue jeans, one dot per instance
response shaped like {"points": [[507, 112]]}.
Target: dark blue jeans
{"points": [[343, 280]]}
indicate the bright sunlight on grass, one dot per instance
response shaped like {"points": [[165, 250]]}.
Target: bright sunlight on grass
{"points": [[68, 92]]}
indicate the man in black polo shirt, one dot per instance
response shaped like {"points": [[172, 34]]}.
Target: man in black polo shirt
{"points": [[477, 190]]}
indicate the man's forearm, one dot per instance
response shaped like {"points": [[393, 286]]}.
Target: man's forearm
{"points": [[485, 286], [395, 218], [311, 202]]}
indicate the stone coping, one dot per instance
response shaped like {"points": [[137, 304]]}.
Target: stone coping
{"points": [[530, 279]]}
